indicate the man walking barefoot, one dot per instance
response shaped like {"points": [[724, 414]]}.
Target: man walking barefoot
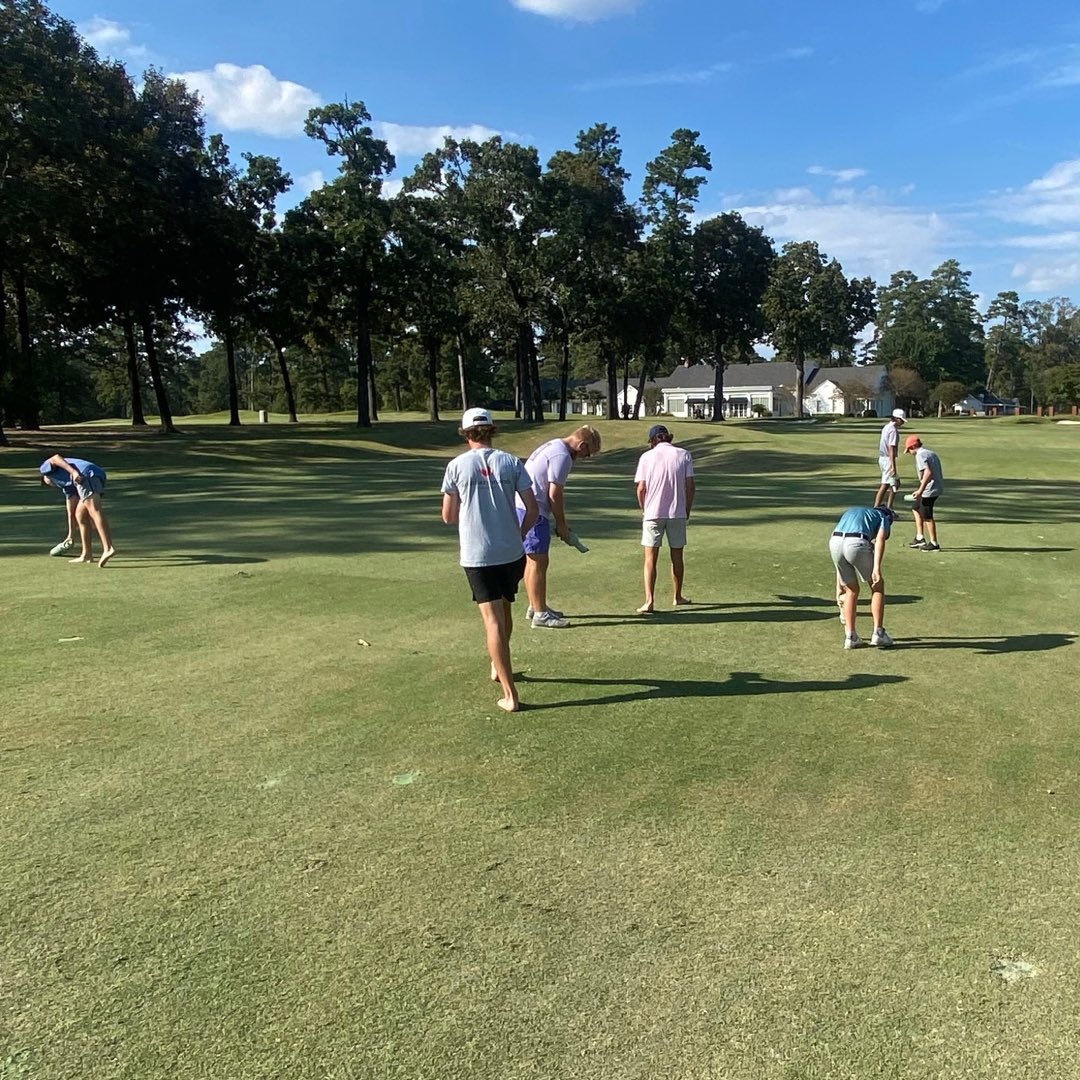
{"points": [[857, 548], [925, 496], [478, 492], [549, 468], [82, 484], [888, 446], [665, 493]]}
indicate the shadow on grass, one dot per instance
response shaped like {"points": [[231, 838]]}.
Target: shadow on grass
{"points": [[784, 609], [990, 646], [1020, 550], [738, 684], [178, 558]]}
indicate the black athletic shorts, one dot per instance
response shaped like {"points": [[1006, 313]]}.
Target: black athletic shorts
{"points": [[926, 507], [492, 583]]}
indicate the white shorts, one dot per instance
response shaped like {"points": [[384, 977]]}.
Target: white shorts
{"points": [[887, 476], [653, 530]]}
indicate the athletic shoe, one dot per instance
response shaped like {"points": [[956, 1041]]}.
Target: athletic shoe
{"points": [[853, 641], [881, 639], [932, 547], [63, 547], [918, 542], [548, 620], [529, 613]]}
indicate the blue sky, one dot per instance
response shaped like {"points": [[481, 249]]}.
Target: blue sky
{"points": [[895, 133]]}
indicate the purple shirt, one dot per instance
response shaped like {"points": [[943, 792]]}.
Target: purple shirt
{"points": [[664, 469], [549, 463]]}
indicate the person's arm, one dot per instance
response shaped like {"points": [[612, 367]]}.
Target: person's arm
{"points": [[641, 495], [892, 460], [71, 504], [924, 480], [532, 510], [558, 510], [451, 506], [879, 554], [691, 489], [62, 463]]}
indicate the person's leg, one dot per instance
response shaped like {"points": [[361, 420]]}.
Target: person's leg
{"points": [[536, 567], [71, 505], [97, 515], [851, 606], [82, 520], [919, 535], [931, 524], [678, 571], [651, 554], [497, 632], [877, 604], [882, 489]]}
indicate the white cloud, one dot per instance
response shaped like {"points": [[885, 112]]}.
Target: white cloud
{"points": [[684, 77], [1053, 199], [310, 181], [407, 140], [111, 39], [252, 99], [868, 237], [578, 10], [844, 176]]}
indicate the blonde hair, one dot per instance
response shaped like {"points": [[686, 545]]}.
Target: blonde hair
{"points": [[589, 436]]}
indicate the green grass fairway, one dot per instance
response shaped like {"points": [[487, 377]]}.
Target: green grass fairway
{"points": [[262, 819]]}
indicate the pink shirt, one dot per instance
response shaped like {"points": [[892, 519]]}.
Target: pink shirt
{"points": [[664, 469]]}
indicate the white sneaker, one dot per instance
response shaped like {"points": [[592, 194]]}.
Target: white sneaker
{"points": [[881, 639], [853, 641], [548, 620], [529, 613], [63, 547]]}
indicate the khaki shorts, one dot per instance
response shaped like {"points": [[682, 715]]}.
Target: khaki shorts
{"points": [[654, 529], [887, 478], [853, 558]]}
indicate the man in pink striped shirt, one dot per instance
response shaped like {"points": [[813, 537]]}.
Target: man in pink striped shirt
{"points": [[665, 493]]}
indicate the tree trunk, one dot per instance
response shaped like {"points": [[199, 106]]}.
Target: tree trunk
{"points": [[137, 417], [431, 347], [286, 382], [564, 375], [230, 367], [639, 404], [3, 342], [461, 373], [363, 368], [612, 388], [624, 411], [524, 374], [164, 412], [534, 373], [24, 386], [373, 392], [718, 383]]}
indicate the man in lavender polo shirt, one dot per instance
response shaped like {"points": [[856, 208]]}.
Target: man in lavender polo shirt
{"points": [[665, 493]]}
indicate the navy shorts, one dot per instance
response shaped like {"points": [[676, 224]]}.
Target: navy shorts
{"points": [[493, 583], [926, 507], [537, 540]]}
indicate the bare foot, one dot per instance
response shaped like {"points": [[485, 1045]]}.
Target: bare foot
{"points": [[645, 609], [680, 601], [82, 558], [106, 556], [508, 704]]}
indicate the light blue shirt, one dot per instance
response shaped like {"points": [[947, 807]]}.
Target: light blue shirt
{"points": [[487, 482], [863, 519], [61, 478]]}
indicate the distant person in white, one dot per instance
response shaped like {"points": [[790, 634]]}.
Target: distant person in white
{"points": [[478, 489], [888, 449], [931, 485]]}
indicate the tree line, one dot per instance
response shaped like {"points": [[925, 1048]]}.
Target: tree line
{"points": [[488, 277]]}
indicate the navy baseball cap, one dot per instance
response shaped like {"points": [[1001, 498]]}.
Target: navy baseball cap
{"points": [[656, 431]]}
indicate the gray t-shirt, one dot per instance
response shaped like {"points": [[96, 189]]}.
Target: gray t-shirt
{"points": [[487, 481], [927, 459]]}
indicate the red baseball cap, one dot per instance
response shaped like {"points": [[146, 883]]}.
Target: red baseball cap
{"points": [[912, 442]]}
